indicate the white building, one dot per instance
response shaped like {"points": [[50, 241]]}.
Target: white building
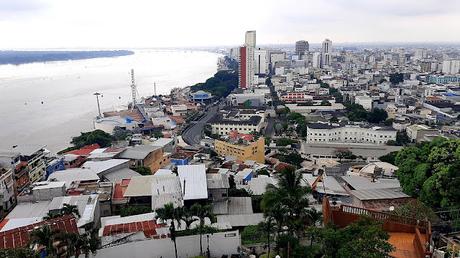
{"points": [[261, 61], [326, 51], [246, 61], [334, 133], [7, 191], [245, 126], [316, 60], [451, 66], [364, 101]]}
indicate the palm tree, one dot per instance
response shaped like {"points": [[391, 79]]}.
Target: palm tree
{"points": [[269, 226], [188, 217], [86, 243], [43, 238], [51, 215], [69, 209], [168, 212], [202, 212], [288, 202]]}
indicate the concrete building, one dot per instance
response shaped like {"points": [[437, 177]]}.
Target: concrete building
{"points": [[242, 150], [451, 66], [334, 133], [326, 51], [364, 101], [261, 61], [152, 157], [246, 65], [301, 48], [316, 60], [417, 133], [7, 191], [221, 126]]}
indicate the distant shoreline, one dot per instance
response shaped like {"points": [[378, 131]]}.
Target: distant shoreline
{"points": [[12, 57]]}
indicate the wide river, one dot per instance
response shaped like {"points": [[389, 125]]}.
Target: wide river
{"points": [[48, 103]]}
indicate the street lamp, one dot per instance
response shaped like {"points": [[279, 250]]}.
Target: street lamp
{"points": [[97, 94]]}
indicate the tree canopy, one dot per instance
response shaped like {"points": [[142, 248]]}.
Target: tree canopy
{"points": [[97, 136], [220, 85], [357, 113], [431, 172]]}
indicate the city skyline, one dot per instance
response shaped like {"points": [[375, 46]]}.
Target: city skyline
{"points": [[114, 24]]}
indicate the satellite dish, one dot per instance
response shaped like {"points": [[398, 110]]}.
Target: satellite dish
{"points": [[392, 208]]}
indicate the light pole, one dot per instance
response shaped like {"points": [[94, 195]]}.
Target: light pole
{"points": [[97, 94]]}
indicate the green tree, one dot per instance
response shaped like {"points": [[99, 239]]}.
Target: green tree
{"points": [[431, 171], [134, 210], [145, 171], [292, 158], [168, 212], [69, 209], [43, 238], [284, 141], [247, 104], [364, 238], [325, 103], [97, 136], [377, 115], [289, 197], [202, 212], [18, 253]]}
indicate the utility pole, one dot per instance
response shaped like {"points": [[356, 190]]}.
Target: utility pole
{"points": [[97, 94]]}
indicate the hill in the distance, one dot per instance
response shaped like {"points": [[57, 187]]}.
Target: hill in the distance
{"points": [[24, 57]]}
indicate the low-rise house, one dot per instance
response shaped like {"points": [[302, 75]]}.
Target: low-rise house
{"points": [[417, 133], [193, 182], [166, 189], [112, 170], [72, 175], [7, 191], [218, 185], [152, 157]]}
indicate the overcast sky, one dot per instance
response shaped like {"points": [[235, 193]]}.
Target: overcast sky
{"points": [[175, 23]]}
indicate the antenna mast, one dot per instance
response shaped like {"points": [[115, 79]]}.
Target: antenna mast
{"points": [[133, 89], [155, 89]]}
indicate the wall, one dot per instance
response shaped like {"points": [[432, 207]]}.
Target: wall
{"points": [[225, 243]]}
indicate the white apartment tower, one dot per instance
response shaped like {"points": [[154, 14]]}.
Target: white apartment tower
{"points": [[246, 61], [261, 61], [326, 50]]}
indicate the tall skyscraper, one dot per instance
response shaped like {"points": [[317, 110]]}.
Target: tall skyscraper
{"points": [[261, 61], [250, 38], [326, 50], [246, 62], [301, 47]]}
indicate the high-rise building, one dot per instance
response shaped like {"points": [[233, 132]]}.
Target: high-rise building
{"points": [[316, 60], [301, 47], [326, 50], [451, 66], [261, 61], [246, 61], [250, 38]]}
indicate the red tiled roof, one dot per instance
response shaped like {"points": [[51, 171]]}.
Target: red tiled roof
{"points": [[120, 188], [85, 150], [177, 119], [148, 227], [19, 237]]}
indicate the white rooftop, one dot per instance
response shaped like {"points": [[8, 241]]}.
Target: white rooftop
{"points": [[73, 175], [193, 180]]}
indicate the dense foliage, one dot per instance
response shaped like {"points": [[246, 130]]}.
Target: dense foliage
{"points": [[364, 238], [357, 113], [145, 171], [220, 85], [300, 123], [431, 171], [396, 78], [97, 136]]}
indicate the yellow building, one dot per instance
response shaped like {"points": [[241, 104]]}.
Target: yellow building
{"points": [[242, 149]]}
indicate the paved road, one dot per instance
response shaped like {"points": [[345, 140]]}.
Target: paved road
{"points": [[194, 134], [270, 128]]}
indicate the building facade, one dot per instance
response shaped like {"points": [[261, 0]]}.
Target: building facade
{"points": [[330, 133], [326, 51], [243, 150], [301, 48]]}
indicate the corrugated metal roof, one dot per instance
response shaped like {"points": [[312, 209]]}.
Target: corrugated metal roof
{"points": [[20, 237], [138, 152], [73, 175], [363, 183], [241, 220], [378, 194], [193, 180]]}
